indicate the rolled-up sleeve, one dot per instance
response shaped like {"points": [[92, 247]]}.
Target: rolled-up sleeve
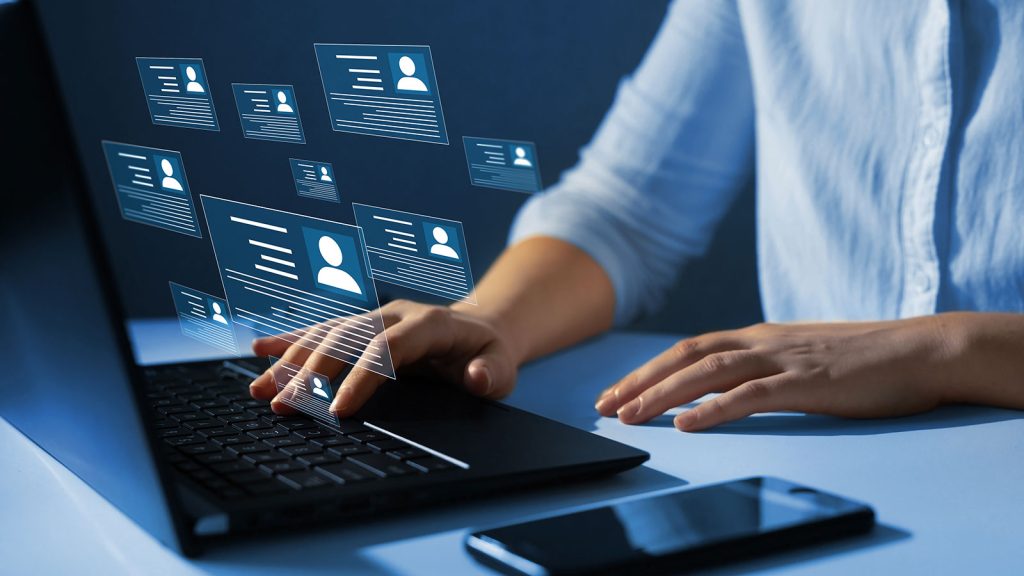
{"points": [[666, 162]]}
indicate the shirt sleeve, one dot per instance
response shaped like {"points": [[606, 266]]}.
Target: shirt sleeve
{"points": [[666, 162]]}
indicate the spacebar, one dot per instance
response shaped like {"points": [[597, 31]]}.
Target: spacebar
{"points": [[381, 465]]}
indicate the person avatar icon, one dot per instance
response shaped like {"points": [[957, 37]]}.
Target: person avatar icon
{"points": [[283, 105], [521, 159], [409, 81], [193, 84], [331, 275], [318, 388], [323, 175], [218, 315], [441, 248], [169, 181]]}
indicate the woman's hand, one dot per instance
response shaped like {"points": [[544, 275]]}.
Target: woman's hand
{"points": [[857, 370], [464, 349]]}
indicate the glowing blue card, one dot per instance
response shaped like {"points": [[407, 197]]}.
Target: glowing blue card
{"points": [[505, 164], [381, 90], [151, 187], [204, 317], [269, 112], [418, 252], [303, 279], [315, 180], [178, 92]]}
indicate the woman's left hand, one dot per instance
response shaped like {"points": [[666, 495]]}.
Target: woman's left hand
{"points": [[855, 369]]}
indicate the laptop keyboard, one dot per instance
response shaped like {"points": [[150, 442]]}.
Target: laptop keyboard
{"points": [[235, 446]]}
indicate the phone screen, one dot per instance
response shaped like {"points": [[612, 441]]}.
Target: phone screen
{"points": [[665, 524]]}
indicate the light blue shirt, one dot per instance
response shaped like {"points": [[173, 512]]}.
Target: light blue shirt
{"points": [[886, 141]]}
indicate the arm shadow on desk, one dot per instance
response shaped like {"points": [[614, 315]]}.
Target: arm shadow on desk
{"points": [[329, 548], [795, 424]]}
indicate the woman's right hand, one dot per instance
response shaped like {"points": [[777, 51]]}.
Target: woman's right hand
{"points": [[461, 348]]}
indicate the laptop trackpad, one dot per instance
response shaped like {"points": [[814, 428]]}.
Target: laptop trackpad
{"points": [[439, 416]]}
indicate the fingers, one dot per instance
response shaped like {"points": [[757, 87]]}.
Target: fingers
{"points": [[491, 373], [717, 372], [678, 357], [761, 395]]}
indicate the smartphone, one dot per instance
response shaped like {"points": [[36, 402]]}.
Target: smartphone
{"points": [[673, 532]]}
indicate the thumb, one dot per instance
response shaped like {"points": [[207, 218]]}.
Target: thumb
{"points": [[491, 373]]}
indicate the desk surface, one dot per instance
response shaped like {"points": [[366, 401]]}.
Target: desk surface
{"points": [[948, 488]]}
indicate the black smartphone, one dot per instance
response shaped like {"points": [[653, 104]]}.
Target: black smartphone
{"points": [[673, 532]]}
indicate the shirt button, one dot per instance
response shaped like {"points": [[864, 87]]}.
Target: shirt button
{"points": [[922, 281], [931, 137]]}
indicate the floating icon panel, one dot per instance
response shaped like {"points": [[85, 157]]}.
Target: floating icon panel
{"points": [[305, 390], [204, 317], [382, 90], [417, 252], [315, 180], [505, 164], [178, 92], [269, 112], [151, 187], [303, 279]]}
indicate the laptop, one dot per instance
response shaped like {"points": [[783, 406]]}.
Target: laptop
{"points": [[182, 448]]}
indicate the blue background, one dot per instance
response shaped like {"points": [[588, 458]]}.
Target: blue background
{"points": [[540, 71]]}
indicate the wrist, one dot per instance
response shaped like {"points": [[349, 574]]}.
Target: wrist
{"points": [[499, 323], [949, 343]]}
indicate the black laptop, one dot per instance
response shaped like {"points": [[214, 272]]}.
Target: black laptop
{"points": [[183, 449]]}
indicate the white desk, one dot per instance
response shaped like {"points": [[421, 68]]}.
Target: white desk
{"points": [[948, 488]]}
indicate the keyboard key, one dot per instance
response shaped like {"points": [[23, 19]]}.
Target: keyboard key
{"points": [[171, 432], [408, 453], [267, 434], [197, 449], [385, 445], [381, 465], [252, 448], [164, 423], [232, 440], [189, 416], [240, 417], [251, 425], [351, 427], [175, 409], [216, 458], [282, 467], [200, 424], [301, 450], [318, 459], [344, 473], [232, 467], [348, 450], [310, 433], [219, 431], [369, 436], [207, 404], [298, 424], [264, 457], [305, 480], [329, 441], [185, 440], [250, 403], [282, 442], [188, 466], [430, 464], [222, 411]]}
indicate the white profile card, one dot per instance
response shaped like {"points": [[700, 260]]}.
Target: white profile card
{"points": [[204, 317], [303, 279]]}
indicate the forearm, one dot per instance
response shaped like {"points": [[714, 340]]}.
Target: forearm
{"points": [[983, 358], [544, 294]]}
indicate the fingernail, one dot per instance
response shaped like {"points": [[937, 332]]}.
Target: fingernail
{"points": [[602, 403], [341, 400], [629, 411], [480, 381], [686, 420]]}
